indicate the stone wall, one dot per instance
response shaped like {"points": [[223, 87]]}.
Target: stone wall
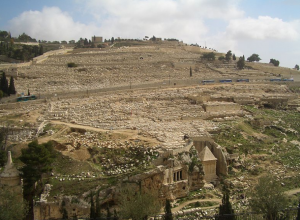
{"points": [[201, 142], [221, 107], [48, 210]]}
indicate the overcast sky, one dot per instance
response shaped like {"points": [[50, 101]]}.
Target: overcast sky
{"points": [[270, 28]]}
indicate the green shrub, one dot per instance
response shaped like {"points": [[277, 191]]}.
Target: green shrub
{"points": [[72, 65]]}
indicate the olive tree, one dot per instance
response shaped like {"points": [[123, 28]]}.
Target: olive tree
{"points": [[268, 197], [138, 205], [11, 205]]}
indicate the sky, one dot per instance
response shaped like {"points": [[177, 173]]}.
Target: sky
{"points": [[269, 28]]}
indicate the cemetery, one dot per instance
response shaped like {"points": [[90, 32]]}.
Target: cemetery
{"points": [[136, 115]]}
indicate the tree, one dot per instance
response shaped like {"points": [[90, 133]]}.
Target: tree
{"points": [[63, 210], [191, 73], [11, 205], [268, 197], [112, 40], [37, 159], [72, 64], [4, 84], [3, 151], [98, 207], [168, 211], [92, 209], [226, 211], [11, 88], [138, 205], [297, 67], [221, 58], [115, 215], [108, 213], [275, 62], [228, 55], [233, 57], [241, 63], [209, 56], [254, 57], [41, 50], [298, 213]]}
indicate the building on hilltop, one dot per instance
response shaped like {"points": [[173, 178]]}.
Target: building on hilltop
{"points": [[97, 39]]}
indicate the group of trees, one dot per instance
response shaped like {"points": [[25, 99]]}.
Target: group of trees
{"points": [[27, 52], [267, 198], [133, 204], [275, 62], [5, 88], [241, 62], [37, 160], [19, 52], [137, 204], [95, 209], [11, 205]]}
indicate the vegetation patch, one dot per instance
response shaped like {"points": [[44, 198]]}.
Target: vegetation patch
{"points": [[200, 204], [72, 65]]}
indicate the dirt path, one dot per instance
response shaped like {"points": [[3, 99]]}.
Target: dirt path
{"points": [[197, 200], [292, 191]]}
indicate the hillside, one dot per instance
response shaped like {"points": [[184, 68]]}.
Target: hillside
{"points": [[131, 113]]}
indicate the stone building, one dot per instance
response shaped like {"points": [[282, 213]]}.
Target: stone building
{"points": [[10, 177], [97, 39], [209, 162]]}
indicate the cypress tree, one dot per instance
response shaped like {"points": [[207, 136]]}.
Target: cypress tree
{"points": [[108, 213], [191, 73], [11, 88], [226, 211], [168, 211], [41, 52], [63, 210], [4, 84], [98, 207], [92, 209], [298, 214], [115, 215]]}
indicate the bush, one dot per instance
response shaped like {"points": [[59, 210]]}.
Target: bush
{"points": [[72, 65]]}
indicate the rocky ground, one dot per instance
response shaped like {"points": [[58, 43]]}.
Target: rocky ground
{"points": [[102, 133]]}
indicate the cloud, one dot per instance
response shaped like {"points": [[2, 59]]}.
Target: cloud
{"points": [[181, 19], [221, 25], [50, 24], [263, 28]]}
